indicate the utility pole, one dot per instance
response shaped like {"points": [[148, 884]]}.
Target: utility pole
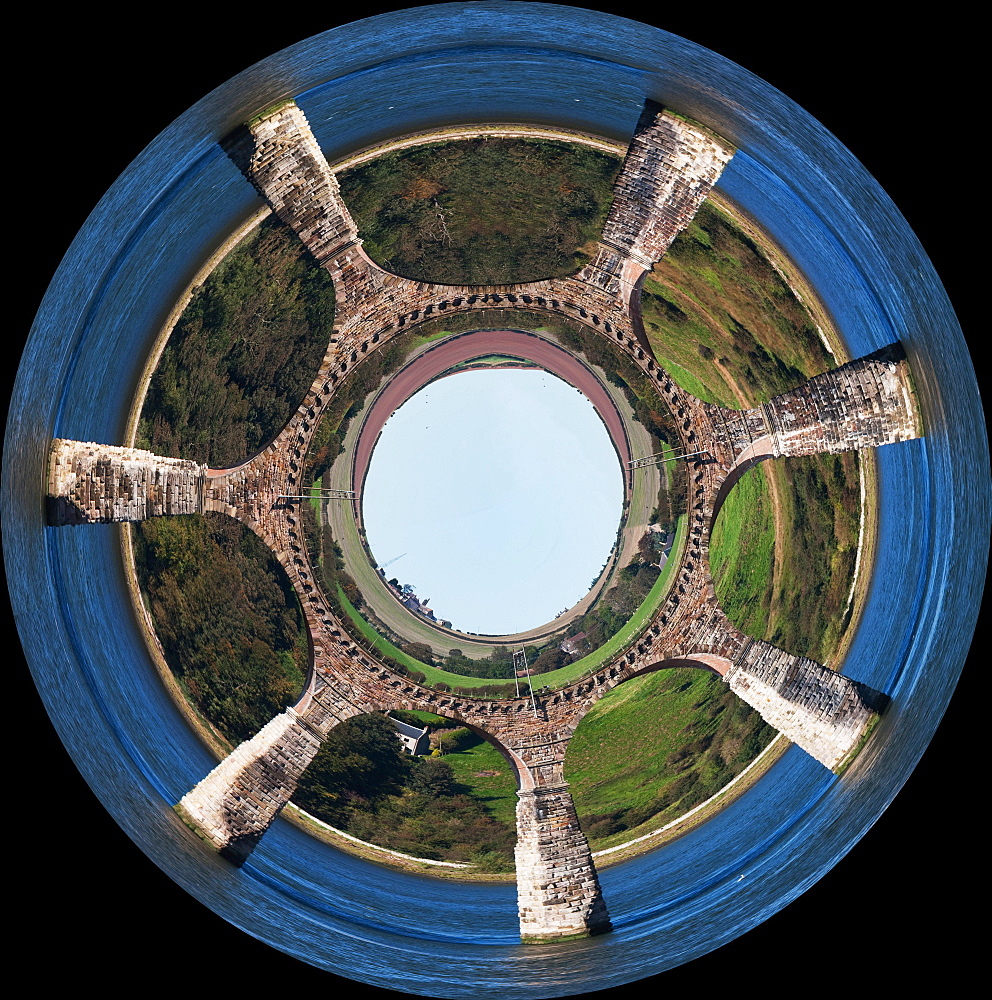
{"points": [[659, 459], [523, 659], [319, 495]]}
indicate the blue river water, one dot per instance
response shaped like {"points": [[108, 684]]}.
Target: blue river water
{"points": [[169, 211]]}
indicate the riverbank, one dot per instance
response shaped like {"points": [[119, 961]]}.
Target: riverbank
{"points": [[801, 288]]}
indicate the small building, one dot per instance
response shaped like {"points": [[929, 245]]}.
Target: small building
{"points": [[574, 644], [415, 741], [412, 603]]}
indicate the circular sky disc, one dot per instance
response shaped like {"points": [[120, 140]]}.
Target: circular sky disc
{"points": [[501, 492]]}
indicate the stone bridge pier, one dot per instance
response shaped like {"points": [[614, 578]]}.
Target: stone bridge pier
{"points": [[239, 799], [91, 483], [558, 892]]}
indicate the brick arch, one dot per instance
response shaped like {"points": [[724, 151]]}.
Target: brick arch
{"points": [[757, 453], [711, 662]]}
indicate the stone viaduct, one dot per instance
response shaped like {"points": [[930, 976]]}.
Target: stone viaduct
{"points": [[668, 171]]}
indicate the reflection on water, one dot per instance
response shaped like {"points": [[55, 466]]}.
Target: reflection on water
{"points": [[446, 939]]}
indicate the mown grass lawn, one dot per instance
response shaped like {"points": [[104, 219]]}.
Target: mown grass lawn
{"points": [[498, 792], [654, 748], [742, 552]]}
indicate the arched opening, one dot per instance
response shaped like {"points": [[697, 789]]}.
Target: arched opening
{"points": [[656, 747], [227, 618], [491, 210], [242, 354], [451, 804]]}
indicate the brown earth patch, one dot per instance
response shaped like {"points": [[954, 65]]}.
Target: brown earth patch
{"points": [[419, 188]]}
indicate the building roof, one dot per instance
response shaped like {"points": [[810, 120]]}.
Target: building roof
{"points": [[405, 729]]}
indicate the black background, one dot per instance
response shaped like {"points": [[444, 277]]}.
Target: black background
{"points": [[88, 906]]}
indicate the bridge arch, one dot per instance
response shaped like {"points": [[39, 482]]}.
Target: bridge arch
{"points": [[712, 662], [759, 452]]}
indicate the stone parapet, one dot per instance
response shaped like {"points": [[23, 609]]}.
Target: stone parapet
{"points": [[290, 172], [91, 483]]}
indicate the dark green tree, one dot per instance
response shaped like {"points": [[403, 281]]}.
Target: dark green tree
{"points": [[433, 777], [361, 760]]}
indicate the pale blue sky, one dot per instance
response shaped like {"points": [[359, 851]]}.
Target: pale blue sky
{"points": [[505, 492]]}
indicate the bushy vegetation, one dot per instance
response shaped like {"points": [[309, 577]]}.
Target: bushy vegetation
{"points": [[722, 321], [227, 618], [482, 211], [243, 353], [495, 666], [363, 783]]}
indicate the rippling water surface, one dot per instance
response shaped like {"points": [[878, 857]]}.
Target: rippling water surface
{"points": [[164, 217]]}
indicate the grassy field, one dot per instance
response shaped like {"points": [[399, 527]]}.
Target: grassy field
{"points": [[742, 552], [723, 321], [654, 748], [791, 590], [474, 763]]}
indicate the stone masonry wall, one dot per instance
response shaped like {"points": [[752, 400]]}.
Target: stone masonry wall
{"points": [[863, 404], [290, 172], [820, 710], [558, 892], [94, 483], [668, 171], [238, 800]]}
